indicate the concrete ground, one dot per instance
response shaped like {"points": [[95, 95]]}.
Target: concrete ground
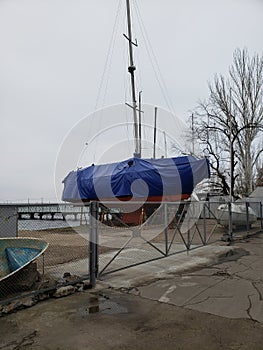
{"points": [[180, 302], [232, 288]]}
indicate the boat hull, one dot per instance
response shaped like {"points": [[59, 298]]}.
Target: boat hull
{"points": [[145, 181], [240, 216], [17, 253], [140, 179]]}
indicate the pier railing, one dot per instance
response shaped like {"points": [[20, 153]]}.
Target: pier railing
{"points": [[49, 211]]}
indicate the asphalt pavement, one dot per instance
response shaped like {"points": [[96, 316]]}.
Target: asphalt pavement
{"points": [[224, 280], [208, 298]]}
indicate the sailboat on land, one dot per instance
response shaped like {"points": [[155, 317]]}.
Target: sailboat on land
{"points": [[136, 178]]}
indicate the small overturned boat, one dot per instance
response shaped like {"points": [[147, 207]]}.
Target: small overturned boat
{"points": [[17, 253], [241, 215]]}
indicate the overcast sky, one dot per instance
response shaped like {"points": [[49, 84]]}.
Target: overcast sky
{"points": [[53, 55]]}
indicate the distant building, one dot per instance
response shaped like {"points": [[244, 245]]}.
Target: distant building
{"points": [[257, 193], [255, 200]]}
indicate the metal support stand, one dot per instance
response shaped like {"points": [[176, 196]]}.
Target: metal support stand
{"points": [[93, 243]]}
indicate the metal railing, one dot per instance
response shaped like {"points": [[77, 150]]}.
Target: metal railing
{"points": [[170, 229]]}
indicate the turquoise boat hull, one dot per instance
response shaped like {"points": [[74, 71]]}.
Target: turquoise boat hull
{"points": [[17, 253]]}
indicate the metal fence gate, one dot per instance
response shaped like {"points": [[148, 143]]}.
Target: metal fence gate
{"points": [[171, 229]]}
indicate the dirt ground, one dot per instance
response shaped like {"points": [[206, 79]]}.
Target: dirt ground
{"points": [[65, 244], [109, 319], [69, 244]]}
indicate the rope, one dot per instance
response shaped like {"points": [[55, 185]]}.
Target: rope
{"points": [[108, 58], [105, 75], [153, 60]]}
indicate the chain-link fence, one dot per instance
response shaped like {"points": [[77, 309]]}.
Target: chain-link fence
{"points": [[65, 230], [86, 246]]}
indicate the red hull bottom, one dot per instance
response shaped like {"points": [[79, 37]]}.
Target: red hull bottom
{"points": [[138, 216], [135, 217]]}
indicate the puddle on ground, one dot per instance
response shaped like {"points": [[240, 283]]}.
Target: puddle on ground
{"points": [[103, 305]]}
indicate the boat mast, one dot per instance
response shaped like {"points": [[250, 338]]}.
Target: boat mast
{"points": [[140, 121], [165, 143], [154, 133], [131, 70]]}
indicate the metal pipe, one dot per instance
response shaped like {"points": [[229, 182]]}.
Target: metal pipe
{"points": [[140, 122], [261, 214], [93, 243], [166, 228], [230, 222], [131, 70], [154, 133], [247, 216]]}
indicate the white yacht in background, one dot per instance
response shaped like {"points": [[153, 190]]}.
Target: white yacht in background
{"points": [[241, 215]]}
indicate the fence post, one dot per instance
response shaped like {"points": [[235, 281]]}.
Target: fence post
{"points": [[261, 216], [230, 222], [204, 222], [166, 228], [93, 243], [247, 217]]}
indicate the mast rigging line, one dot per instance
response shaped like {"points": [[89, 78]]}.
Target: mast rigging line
{"points": [[153, 60], [108, 60], [104, 80]]}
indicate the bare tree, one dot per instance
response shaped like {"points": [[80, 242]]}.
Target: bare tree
{"points": [[232, 117], [247, 85], [259, 181]]}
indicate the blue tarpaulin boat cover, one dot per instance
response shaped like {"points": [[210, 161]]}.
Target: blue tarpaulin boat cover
{"points": [[136, 177]]}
